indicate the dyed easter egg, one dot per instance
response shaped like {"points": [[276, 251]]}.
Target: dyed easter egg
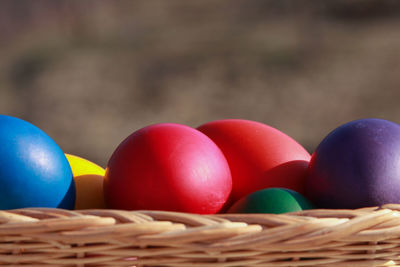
{"points": [[271, 200], [89, 178], [168, 167], [356, 165], [34, 171], [259, 156]]}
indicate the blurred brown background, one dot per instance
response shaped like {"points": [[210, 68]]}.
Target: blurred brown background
{"points": [[89, 73]]}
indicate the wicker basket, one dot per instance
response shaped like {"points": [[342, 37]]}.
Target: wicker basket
{"points": [[55, 237]]}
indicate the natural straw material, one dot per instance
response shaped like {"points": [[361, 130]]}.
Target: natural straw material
{"points": [[55, 237]]}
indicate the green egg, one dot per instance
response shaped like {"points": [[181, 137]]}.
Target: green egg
{"points": [[271, 200]]}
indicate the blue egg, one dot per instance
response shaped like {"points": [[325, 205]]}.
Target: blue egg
{"points": [[34, 171]]}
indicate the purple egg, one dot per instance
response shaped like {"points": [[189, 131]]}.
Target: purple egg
{"points": [[356, 165]]}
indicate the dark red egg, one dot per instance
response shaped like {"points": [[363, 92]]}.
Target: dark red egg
{"points": [[259, 156]]}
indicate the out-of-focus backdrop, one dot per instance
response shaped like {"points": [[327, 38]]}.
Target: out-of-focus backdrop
{"points": [[89, 73]]}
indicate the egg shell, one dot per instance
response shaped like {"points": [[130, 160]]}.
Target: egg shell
{"points": [[272, 200], [89, 179], [259, 156], [34, 171], [357, 165], [168, 166]]}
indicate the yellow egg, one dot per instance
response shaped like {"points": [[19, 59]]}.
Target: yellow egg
{"points": [[88, 179]]}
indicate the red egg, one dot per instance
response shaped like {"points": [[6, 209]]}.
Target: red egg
{"points": [[168, 167], [259, 156]]}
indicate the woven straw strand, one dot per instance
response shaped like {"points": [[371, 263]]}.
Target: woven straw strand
{"points": [[54, 237]]}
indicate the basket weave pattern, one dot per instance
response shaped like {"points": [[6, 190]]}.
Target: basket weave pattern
{"points": [[55, 237]]}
